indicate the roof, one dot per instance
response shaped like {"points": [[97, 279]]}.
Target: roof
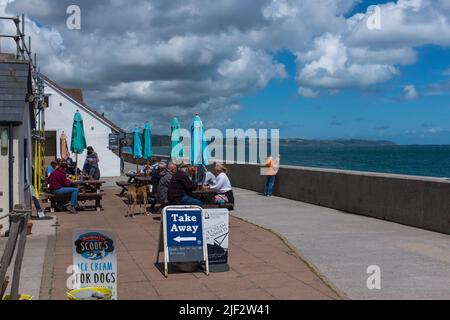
{"points": [[75, 93], [81, 104], [15, 83]]}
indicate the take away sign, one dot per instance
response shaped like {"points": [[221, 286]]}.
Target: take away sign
{"points": [[184, 238]]}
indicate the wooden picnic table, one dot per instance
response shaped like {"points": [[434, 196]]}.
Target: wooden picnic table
{"points": [[133, 178], [90, 190], [130, 176], [124, 184], [133, 175], [143, 179], [89, 182], [89, 185], [205, 194]]}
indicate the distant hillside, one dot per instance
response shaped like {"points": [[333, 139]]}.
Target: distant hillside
{"points": [[337, 142], [160, 140], [164, 140]]}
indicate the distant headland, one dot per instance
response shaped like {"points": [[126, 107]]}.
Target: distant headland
{"points": [[164, 140], [335, 143]]}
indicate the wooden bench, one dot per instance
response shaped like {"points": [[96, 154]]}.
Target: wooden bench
{"points": [[91, 196], [124, 185]]}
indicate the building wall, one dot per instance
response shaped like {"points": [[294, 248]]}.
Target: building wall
{"points": [[21, 177], [60, 118], [22, 166], [4, 188], [415, 201]]}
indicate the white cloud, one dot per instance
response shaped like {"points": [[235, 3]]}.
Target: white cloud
{"points": [[162, 59], [360, 57], [307, 92], [405, 23], [330, 65], [410, 92]]}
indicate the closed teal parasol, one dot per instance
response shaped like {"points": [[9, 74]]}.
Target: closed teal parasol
{"points": [[147, 136], [78, 140], [137, 146], [199, 145], [177, 151]]}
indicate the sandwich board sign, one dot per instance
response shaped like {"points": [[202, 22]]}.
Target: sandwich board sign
{"points": [[183, 235], [95, 257], [217, 234]]}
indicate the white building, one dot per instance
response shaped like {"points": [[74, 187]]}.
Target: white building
{"points": [[16, 124], [62, 105]]}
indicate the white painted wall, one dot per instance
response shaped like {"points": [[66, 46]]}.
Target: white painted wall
{"points": [[59, 118], [4, 200], [20, 195]]}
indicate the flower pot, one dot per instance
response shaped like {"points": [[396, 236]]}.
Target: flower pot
{"points": [[29, 227]]}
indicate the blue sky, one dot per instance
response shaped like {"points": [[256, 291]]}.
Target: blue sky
{"points": [[381, 114]]}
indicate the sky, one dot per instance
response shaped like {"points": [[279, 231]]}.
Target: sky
{"points": [[315, 69]]}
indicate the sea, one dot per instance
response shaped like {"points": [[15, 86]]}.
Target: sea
{"points": [[418, 160]]}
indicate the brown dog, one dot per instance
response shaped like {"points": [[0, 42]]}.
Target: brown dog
{"points": [[137, 194]]}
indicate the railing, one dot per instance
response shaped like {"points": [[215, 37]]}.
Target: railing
{"points": [[17, 237]]}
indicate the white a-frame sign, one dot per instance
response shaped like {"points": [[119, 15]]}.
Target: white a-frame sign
{"points": [[182, 236]]}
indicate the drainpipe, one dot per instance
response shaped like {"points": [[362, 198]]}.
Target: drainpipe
{"points": [[10, 168]]}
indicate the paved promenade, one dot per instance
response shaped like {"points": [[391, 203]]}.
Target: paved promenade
{"points": [[33, 265], [414, 263], [262, 265]]}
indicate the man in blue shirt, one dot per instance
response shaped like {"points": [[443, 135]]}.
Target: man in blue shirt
{"points": [[50, 168]]}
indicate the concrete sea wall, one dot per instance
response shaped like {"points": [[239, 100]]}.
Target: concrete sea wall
{"points": [[415, 201], [422, 202]]}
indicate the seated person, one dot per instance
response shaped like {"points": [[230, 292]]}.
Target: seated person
{"points": [[70, 166], [163, 184], [192, 173], [222, 186], [210, 179], [181, 187], [60, 185], [93, 170], [146, 169], [200, 177], [155, 162], [91, 154], [70, 161], [50, 168], [156, 176]]}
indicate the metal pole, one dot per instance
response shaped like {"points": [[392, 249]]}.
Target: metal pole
{"points": [[10, 172], [17, 21]]}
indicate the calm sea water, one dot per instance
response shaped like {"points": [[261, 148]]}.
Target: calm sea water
{"points": [[412, 160]]}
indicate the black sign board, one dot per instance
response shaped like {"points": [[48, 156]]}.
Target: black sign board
{"points": [[113, 141]]}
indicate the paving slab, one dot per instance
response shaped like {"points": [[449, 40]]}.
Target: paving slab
{"points": [[414, 263], [33, 264], [254, 253]]}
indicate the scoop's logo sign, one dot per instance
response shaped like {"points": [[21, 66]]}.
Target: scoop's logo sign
{"points": [[94, 245]]}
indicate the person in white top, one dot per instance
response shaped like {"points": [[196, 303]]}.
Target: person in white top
{"points": [[210, 179], [222, 185]]}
